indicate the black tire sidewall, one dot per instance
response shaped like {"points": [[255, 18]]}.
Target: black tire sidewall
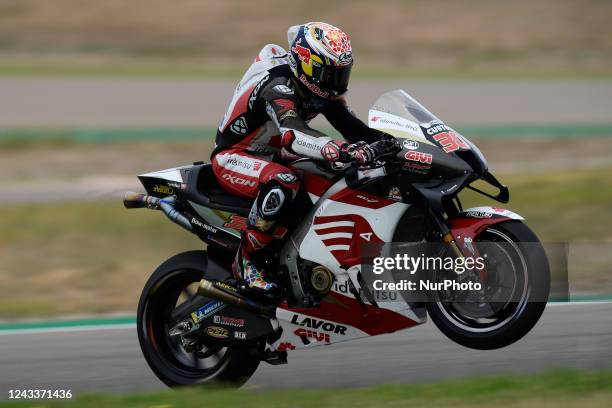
{"points": [[240, 364], [520, 325]]}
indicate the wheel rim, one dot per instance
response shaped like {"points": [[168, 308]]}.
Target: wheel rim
{"points": [[176, 288], [457, 314]]}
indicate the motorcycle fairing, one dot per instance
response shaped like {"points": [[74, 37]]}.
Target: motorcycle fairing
{"points": [[333, 234]]}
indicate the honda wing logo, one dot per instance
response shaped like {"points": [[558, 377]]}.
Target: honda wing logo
{"points": [[336, 233]]}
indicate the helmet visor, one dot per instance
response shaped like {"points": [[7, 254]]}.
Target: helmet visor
{"points": [[333, 78]]}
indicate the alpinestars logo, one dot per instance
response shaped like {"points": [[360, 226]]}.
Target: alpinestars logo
{"points": [[284, 89], [286, 178], [239, 126]]}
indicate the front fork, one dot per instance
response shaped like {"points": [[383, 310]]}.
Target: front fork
{"points": [[445, 233], [449, 240]]}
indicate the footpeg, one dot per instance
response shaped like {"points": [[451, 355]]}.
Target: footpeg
{"points": [[275, 357]]}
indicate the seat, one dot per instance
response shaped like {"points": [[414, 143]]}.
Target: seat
{"points": [[203, 188]]}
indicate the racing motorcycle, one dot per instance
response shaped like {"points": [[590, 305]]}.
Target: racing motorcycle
{"points": [[197, 324]]}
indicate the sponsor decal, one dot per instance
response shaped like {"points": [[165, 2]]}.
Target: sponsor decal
{"points": [[163, 189], [284, 89], [228, 321], [239, 126], [209, 228], [451, 141], [273, 202], [217, 332], [394, 194], [303, 53], [418, 157], [239, 181], [225, 286], [253, 96], [240, 335], [285, 346], [236, 163], [289, 114], [367, 199], [235, 222], [287, 177], [478, 214], [308, 144], [313, 88], [313, 323], [417, 168], [330, 152], [341, 287], [386, 120], [434, 127], [305, 334], [381, 296], [206, 310], [345, 58], [410, 144]]}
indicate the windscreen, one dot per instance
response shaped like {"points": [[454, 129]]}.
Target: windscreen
{"points": [[402, 116]]}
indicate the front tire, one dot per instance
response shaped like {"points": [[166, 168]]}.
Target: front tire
{"points": [[515, 319], [175, 278]]}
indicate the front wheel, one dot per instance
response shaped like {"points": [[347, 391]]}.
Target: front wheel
{"points": [[522, 266], [175, 282]]}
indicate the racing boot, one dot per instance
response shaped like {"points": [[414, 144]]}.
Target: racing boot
{"points": [[245, 267]]}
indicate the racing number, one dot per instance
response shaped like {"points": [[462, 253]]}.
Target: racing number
{"points": [[450, 141]]}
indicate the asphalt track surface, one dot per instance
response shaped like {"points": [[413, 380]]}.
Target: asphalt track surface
{"points": [[109, 360], [121, 102]]}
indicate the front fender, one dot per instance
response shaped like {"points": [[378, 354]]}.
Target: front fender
{"points": [[472, 221]]}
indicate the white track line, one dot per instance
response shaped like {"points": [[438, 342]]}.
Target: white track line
{"points": [[69, 329]]}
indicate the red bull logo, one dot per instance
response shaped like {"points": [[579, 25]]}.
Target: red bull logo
{"points": [[302, 52]]}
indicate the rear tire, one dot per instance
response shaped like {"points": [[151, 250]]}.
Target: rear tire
{"points": [[161, 351], [526, 313]]}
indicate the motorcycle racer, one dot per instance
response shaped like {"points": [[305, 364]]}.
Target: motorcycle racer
{"points": [[268, 116]]}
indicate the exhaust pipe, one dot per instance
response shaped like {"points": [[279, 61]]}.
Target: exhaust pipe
{"points": [[166, 205], [209, 289]]}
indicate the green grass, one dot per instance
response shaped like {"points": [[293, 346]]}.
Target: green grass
{"points": [[550, 389], [570, 205], [81, 258]]}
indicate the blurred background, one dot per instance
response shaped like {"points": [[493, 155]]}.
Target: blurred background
{"points": [[94, 93]]}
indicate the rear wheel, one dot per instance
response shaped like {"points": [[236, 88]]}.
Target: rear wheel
{"points": [[174, 363], [517, 264]]}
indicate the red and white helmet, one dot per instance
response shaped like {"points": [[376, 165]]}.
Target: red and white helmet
{"points": [[321, 57]]}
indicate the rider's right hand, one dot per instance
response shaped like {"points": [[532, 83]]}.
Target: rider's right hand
{"points": [[362, 153]]}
